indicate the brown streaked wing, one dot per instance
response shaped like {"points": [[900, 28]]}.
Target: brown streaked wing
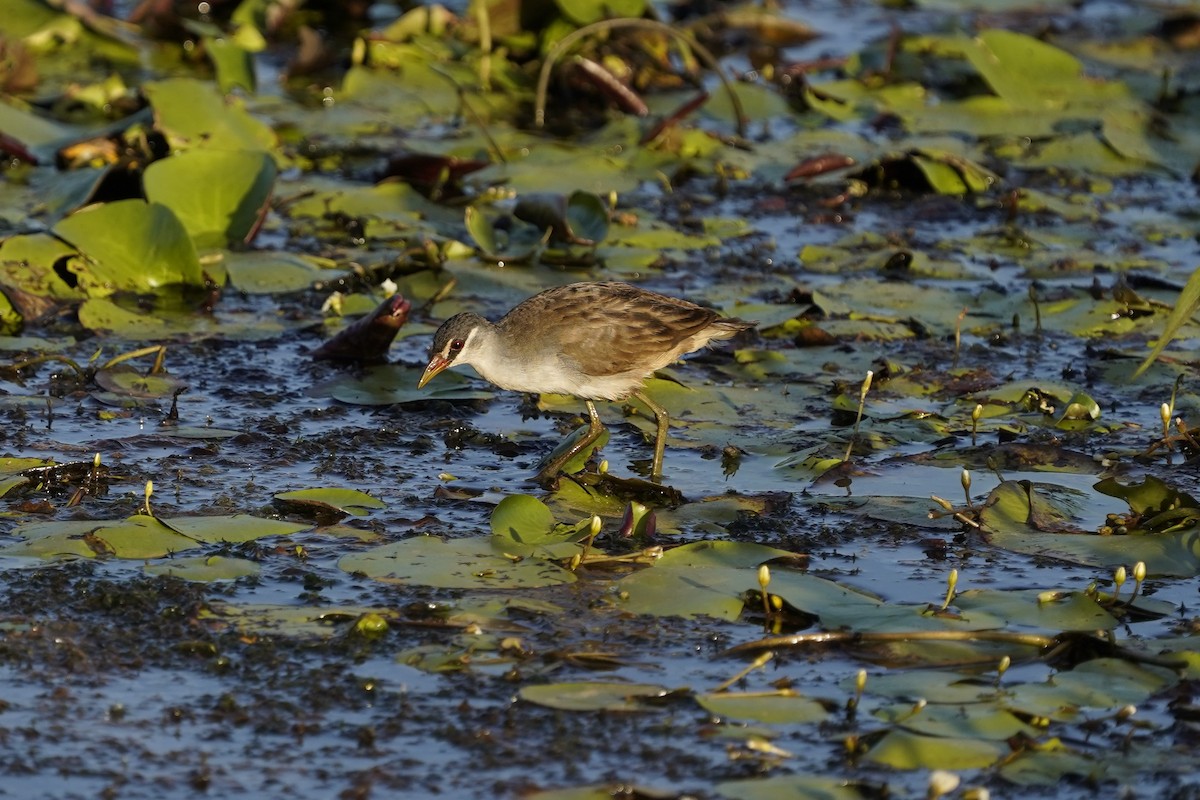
{"points": [[609, 328]]}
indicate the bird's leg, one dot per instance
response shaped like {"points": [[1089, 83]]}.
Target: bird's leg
{"points": [[595, 428], [660, 441]]}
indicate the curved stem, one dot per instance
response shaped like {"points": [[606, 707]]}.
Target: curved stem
{"points": [[158, 350], [29, 362], [704, 54]]}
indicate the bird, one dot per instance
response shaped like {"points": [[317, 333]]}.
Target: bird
{"points": [[595, 340]]}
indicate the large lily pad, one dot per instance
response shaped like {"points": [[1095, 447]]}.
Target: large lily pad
{"points": [[1020, 517], [700, 579], [219, 196], [130, 245], [394, 383], [468, 563]]}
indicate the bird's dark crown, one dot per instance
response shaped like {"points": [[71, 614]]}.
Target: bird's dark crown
{"points": [[457, 327]]}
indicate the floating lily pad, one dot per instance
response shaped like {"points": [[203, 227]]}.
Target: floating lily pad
{"points": [[28, 263], [593, 696], [1070, 611], [11, 482], [776, 708], [301, 622], [700, 579], [982, 721], [205, 569], [392, 383], [139, 536], [126, 381], [524, 525], [523, 518], [1020, 517], [349, 501], [192, 113], [467, 563], [809, 787], [271, 272], [578, 461], [1098, 684], [933, 686], [901, 749], [233, 529]]}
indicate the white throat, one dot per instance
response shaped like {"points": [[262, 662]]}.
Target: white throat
{"points": [[516, 366]]}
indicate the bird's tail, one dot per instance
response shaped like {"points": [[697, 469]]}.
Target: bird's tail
{"points": [[729, 327]]}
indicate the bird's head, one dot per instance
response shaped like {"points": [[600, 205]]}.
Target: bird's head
{"points": [[452, 344]]}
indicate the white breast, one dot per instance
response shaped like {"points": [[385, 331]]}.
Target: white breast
{"points": [[551, 376]]}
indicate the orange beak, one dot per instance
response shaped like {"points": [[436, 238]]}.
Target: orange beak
{"points": [[436, 365]]}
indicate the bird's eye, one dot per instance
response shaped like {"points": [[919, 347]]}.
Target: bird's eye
{"points": [[456, 345]]}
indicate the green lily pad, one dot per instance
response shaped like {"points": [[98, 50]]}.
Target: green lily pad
{"points": [[219, 196], [139, 536], [233, 63], [578, 461], [699, 579], [809, 787], [271, 272], [131, 246], [233, 529], [393, 383], [933, 686], [469, 563], [1020, 517], [523, 518], [524, 525], [192, 113], [34, 131], [1100, 684], [205, 569], [776, 708], [126, 381], [299, 622], [969, 721], [27, 262], [595, 696], [1072, 611], [901, 749]]}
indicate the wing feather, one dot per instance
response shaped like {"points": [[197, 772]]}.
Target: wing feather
{"points": [[612, 328]]}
